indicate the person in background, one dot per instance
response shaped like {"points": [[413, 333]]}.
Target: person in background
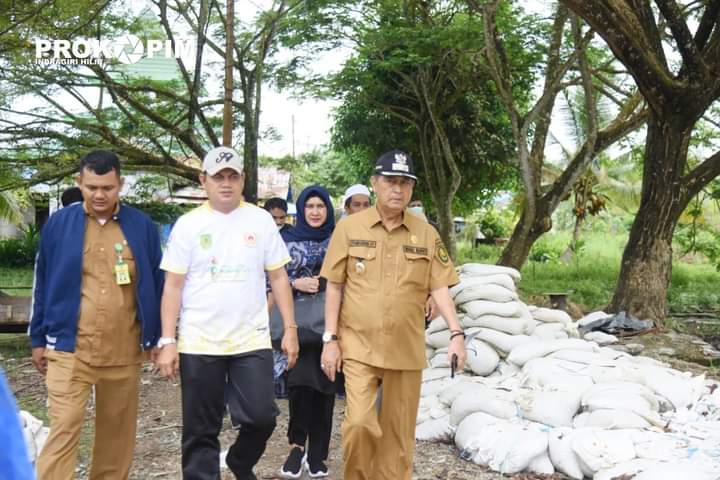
{"points": [[278, 208], [95, 308], [380, 266], [311, 393], [356, 199], [71, 196]]}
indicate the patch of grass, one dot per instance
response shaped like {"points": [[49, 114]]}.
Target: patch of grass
{"points": [[14, 345], [592, 278], [16, 277]]}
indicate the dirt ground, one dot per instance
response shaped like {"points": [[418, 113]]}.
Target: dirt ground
{"points": [[157, 453]]}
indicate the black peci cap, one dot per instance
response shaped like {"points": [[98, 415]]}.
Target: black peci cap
{"points": [[395, 163]]}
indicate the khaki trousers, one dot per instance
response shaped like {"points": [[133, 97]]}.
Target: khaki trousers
{"points": [[379, 448], [69, 382]]}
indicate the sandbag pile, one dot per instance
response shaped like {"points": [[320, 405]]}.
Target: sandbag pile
{"points": [[534, 397], [34, 433]]}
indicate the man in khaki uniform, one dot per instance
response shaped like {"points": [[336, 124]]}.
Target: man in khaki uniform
{"points": [[95, 310], [381, 265]]}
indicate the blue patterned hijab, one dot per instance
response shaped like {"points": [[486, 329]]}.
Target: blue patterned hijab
{"points": [[302, 230]]}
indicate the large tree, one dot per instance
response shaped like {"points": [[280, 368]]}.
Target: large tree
{"points": [[415, 84], [678, 92], [566, 63], [153, 124]]}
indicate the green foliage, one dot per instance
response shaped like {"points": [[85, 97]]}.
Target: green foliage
{"points": [[416, 62], [20, 252], [494, 225]]}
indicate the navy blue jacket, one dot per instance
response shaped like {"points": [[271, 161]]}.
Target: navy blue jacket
{"points": [[58, 277]]}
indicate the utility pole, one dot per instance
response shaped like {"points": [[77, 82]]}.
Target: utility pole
{"points": [[292, 119], [229, 41]]}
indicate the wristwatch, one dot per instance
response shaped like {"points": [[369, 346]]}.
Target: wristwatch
{"points": [[165, 341], [329, 337]]}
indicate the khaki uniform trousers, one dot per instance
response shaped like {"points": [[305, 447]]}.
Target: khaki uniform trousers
{"points": [[379, 448], [69, 382]]}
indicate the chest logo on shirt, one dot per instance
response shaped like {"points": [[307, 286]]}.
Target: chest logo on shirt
{"points": [[205, 241], [250, 239]]}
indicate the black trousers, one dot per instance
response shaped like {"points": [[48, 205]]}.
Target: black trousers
{"points": [[311, 415], [245, 382]]}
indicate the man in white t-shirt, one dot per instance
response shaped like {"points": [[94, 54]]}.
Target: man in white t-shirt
{"points": [[215, 263]]}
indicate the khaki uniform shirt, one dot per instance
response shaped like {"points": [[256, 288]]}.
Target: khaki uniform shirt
{"points": [[108, 331], [386, 277]]}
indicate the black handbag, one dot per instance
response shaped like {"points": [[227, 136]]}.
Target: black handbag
{"points": [[309, 317]]}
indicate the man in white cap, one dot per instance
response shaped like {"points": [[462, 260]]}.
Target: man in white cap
{"points": [[356, 199], [216, 261]]}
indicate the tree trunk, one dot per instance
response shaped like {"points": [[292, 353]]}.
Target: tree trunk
{"points": [[526, 232], [250, 159], [446, 225], [647, 260]]}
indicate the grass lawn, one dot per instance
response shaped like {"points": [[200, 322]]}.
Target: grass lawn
{"points": [[590, 277]]}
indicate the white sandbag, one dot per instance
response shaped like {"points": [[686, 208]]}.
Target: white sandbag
{"points": [[435, 430], [422, 416], [506, 447], [490, 292], [624, 469], [34, 434], [466, 281], [435, 373], [549, 315], [591, 317], [438, 324], [466, 432], [677, 471], [481, 358], [513, 326], [681, 390], [464, 386], [501, 341], [628, 402], [527, 351], [439, 339], [610, 420], [561, 453], [484, 269], [541, 465], [434, 387], [601, 338], [491, 402], [555, 409], [550, 331], [429, 352], [622, 389], [476, 308], [439, 360], [556, 375], [586, 357], [597, 449], [430, 401]]}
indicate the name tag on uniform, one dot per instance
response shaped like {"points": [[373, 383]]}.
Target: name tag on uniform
{"points": [[122, 274]]}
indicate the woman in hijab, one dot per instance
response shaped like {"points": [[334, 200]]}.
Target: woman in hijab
{"points": [[311, 395]]}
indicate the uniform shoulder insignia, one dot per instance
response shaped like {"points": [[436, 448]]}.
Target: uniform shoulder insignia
{"points": [[441, 251]]}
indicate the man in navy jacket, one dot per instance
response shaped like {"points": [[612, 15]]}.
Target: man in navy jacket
{"points": [[95, 313]]}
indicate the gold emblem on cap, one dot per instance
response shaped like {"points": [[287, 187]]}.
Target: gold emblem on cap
{"points": [[413, 239], [360, 268]]}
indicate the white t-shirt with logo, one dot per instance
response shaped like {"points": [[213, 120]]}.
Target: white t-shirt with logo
{"points": [[224, 258]]}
